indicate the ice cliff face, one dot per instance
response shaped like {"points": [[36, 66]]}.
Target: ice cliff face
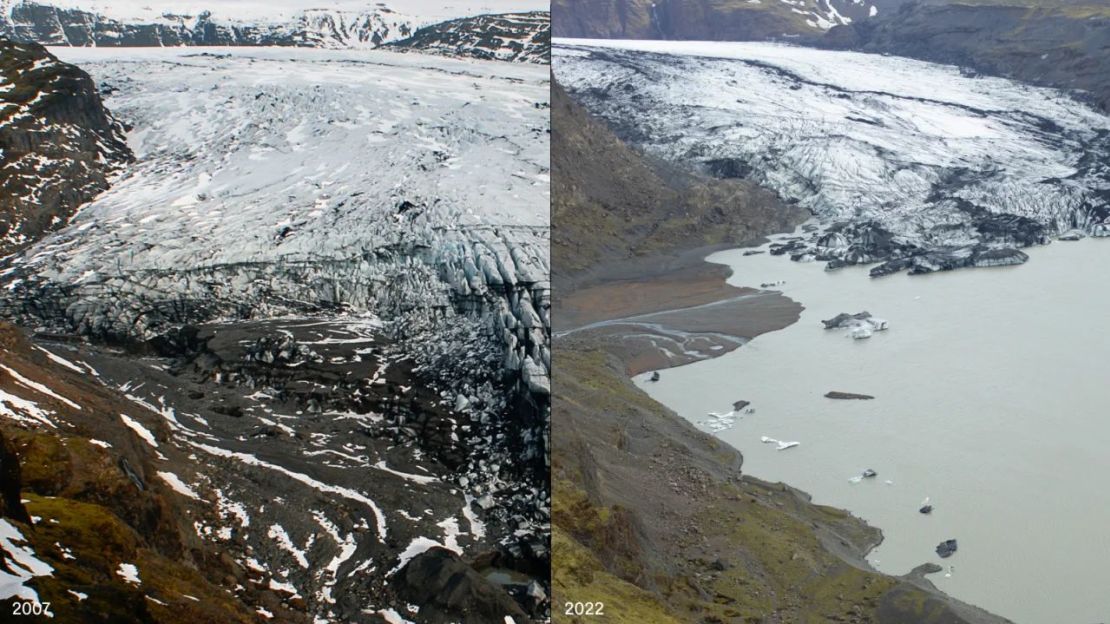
{"points": [[907, 164], [58, 144]]}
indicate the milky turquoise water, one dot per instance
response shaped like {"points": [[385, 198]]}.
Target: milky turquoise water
{"points": [[993, 400]]}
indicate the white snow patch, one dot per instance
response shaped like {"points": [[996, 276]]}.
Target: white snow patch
{"points": [[177, 485], [278, 534], [129, 573], [421, 479], [21, 560], [140, 430], [37, 387]]}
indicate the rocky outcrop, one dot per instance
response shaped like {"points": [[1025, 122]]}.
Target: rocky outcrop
{"points": [[613, 202], [519, 37], [861, 325], [50, 25], [59, 146], [444, 586]]}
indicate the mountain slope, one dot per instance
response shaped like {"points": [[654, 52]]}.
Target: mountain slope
{"points": [[520, 37], [58, 144], [914, 166], [723, 20], [1051, 43], [61, 26]]}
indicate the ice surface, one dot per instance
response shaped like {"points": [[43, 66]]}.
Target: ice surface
{"points": [[326, 171]]}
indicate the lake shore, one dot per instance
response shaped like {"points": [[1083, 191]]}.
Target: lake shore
{"points": [[682, 489]]}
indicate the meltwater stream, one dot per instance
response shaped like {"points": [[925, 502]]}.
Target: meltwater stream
{"points": [[992, 399]]}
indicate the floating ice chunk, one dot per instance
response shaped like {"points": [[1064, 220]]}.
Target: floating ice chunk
{"points": [[860, 332], [780, 444]]}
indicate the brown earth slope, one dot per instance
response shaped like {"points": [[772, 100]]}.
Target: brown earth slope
{"points": [[83, 490]]}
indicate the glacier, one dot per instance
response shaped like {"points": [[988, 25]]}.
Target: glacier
{"points": [[911, 165], [295, 219]]}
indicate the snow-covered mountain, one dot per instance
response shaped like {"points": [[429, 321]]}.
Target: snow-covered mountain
{"points": [[911, 164], [338, 261], [521, 37], [345, 25], [709, 20]]}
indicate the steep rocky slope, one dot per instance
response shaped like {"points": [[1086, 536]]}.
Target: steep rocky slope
{"points": [[651, 516], [1056, 43], [58, 144], [520, 37], [86, 497]]}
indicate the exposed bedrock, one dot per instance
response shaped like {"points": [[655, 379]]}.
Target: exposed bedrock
{"points": [[58, 144]]}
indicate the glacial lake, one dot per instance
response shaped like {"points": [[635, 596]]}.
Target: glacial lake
{"points": [[992, 399]]}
